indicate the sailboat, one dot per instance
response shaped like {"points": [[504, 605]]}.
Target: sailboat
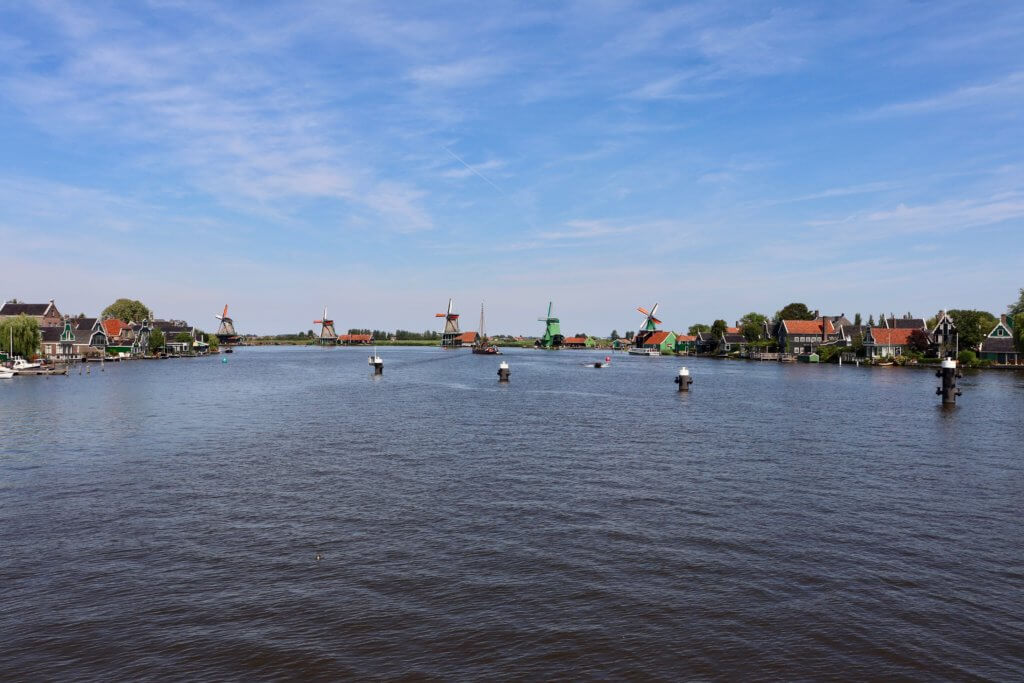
{"points": [[481, 345]]}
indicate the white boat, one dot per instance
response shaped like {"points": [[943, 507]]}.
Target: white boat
{"points": [[22, 364], [644, 352], [6, 373]]}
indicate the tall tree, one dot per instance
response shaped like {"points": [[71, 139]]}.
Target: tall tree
{"points": [[629, 335], [752, 326], [698, 327], [128, 310], [794, 311], [20, 335], [972, 326], [856, 319], [871, 321], [718, 328], [614, 335], [156, 341], [1017, 307], [1018, 332], [919, 341]]}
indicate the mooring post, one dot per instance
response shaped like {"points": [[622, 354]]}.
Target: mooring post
{"points": [[378, 364], [949, 374], [503, 371], [683, 379]]}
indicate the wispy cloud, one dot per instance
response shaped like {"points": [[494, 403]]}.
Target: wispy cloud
{"points": [[1010, 87]]}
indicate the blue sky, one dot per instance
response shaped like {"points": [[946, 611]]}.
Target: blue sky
{"points": [[378, 158]]}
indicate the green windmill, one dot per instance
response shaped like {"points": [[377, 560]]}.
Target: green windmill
{"points": [[552, 338]]}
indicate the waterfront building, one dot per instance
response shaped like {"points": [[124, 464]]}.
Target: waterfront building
{"points": [[171, 330], [662, 340], [998, 346], [355, 339], [583, 342], [46, 315], [732, 341], [944, 335], [466, 339], [805, 336], [886, 342], [685, 343], [622, 344]]}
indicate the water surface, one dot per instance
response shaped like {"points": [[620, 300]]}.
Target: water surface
{"points": [[162, 520]]}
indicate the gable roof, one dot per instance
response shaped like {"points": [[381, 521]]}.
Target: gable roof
{"points": [[808, 326], [997, 345], [656, 338], [890, 336], [11, 308], [114, 327], [83, 323], [355, 337], [572, 340], [734, 338], [733, 330], [468, 337], [686, 337]]}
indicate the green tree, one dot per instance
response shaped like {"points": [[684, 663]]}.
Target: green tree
{"points": [[918, 341], [629, 335], [20, 335], [128, 310], [795, 311], [156, 341], [752, 326], [212, 340], [718, 328], [183, 338], [972, 326], [856, 319], [699, 327], [1017, 307], [614, 335], [871, 321]]}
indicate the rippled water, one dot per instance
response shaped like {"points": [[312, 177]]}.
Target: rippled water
{"points": [[162, 520]]}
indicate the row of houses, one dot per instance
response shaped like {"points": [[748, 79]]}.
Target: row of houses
{"points": [[892, 337], [63, 338]]}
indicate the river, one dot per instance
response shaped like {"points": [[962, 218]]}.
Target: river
{"points": [[164, 520]]}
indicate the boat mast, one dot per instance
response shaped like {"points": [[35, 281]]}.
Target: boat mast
{"points": [[482, 335]]}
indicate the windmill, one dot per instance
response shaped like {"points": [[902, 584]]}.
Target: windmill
{"points": [[450, 338], [226, 332], [552, 338], [649, 326], [327, 333]]}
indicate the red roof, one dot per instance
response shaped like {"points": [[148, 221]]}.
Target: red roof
{"points": [[468, 337], [575, 340], [657, 338], [808, 326], [889, 336], [685, 337], [355, 337], [114, 327], [733, 330]]}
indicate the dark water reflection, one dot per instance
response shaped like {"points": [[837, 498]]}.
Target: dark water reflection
{"points": [[161, 519]]}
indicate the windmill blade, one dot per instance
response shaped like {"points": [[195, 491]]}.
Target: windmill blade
{"points": [[450, 301], [654, 311], [225, 314], [440, 315], [643, 310], [656, 321]]}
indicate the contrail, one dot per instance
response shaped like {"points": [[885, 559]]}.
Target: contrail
{"points": [[478, 173]]}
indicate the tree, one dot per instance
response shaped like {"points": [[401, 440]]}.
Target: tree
{"points": [[156, 341], [212, 340], [752, 326], [718, 328], [918, 341], [1017, 307], [614, 335], [881, 320], [871, 321], [856, 319], [629, 335], [183, 337], [795, 311], [128, 310], [24, 331], [1018, 332], [972, 326], [699, 327]]}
